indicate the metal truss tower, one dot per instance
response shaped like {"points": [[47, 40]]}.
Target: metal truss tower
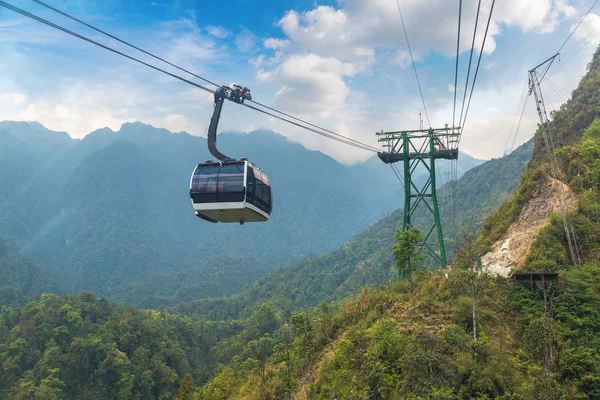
{"points": [[414, 148], [535, 89]]}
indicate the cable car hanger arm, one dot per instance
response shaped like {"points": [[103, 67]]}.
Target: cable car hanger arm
{"points": [[235, 93]]}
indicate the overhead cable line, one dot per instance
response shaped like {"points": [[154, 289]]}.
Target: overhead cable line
{"points": [[393, 167], [565, 92], [512, 146], [561, 96], [580, 21], [521, 99], [571, 34], [333, 135], [456, 68], [180, 68], [573, 54], [123, 41], [413, 62], [60, 28], [340, 139], [470, 61], [463, 122]]}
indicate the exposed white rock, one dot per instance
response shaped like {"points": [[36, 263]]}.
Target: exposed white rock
{"points": [[510, 252]]}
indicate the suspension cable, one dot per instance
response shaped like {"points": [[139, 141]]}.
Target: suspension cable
{"points": [[180, 68], [60, 28], [580, 21], [393, 167], [334, 136], [359, 146], [123, 41], [413, 62], [456, 68], [470, 61], [477, 69]]}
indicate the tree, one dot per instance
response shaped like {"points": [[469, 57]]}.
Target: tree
{"points": [[468, 258], [408, 254], [186, 388]]}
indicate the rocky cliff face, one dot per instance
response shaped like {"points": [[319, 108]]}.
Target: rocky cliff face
{"points": [[510, 252]]}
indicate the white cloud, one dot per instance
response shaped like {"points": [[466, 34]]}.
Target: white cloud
{"points": [[217, 31], [196, 95], [310, 83], [12, 99], [245, 41], [451, 88], [402, 58], [275, 43], [177, 123], [256, 62], [589, 30]]}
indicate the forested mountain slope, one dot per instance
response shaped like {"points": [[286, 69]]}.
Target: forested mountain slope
{"points": [[20, 277], [82, 347], [467, 333], [111, 212], [142, 360], [367, 258]]}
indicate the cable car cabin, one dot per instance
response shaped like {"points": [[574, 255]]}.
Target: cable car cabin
{"points": [[231, 191]]}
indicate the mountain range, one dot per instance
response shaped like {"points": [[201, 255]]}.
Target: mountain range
{"points": [[110, 213]]}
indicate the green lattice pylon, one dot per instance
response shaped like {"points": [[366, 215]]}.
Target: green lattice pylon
{"points": [[414, 148]]}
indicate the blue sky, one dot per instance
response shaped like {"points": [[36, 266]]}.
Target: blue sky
{"points": [[342, 65]]}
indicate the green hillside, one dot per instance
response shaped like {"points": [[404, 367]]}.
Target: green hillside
{"points": [[467, 335], [21, 277], [367, 258], [81, 347], [127, 359]]}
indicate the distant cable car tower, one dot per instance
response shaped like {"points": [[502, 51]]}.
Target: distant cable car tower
{"points": [[422, 147]]}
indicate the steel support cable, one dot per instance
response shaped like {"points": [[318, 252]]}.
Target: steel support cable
{"points": [[557, 86], [572, 32], [314, 126], [470, 61], [512, 146], [340, 139], [463, 122], [574, 53], [512, 127], [580, 21], [185, 70], [561, 97], [456, 67], [60, 28], [413, 62], [568, 97], [397, 175], [123, 41]]}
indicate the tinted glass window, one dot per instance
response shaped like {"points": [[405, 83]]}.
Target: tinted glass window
{"points": [[266, 190], [231, 179], [250, 184], [267, 194], [259, 186], [205, 179]]}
